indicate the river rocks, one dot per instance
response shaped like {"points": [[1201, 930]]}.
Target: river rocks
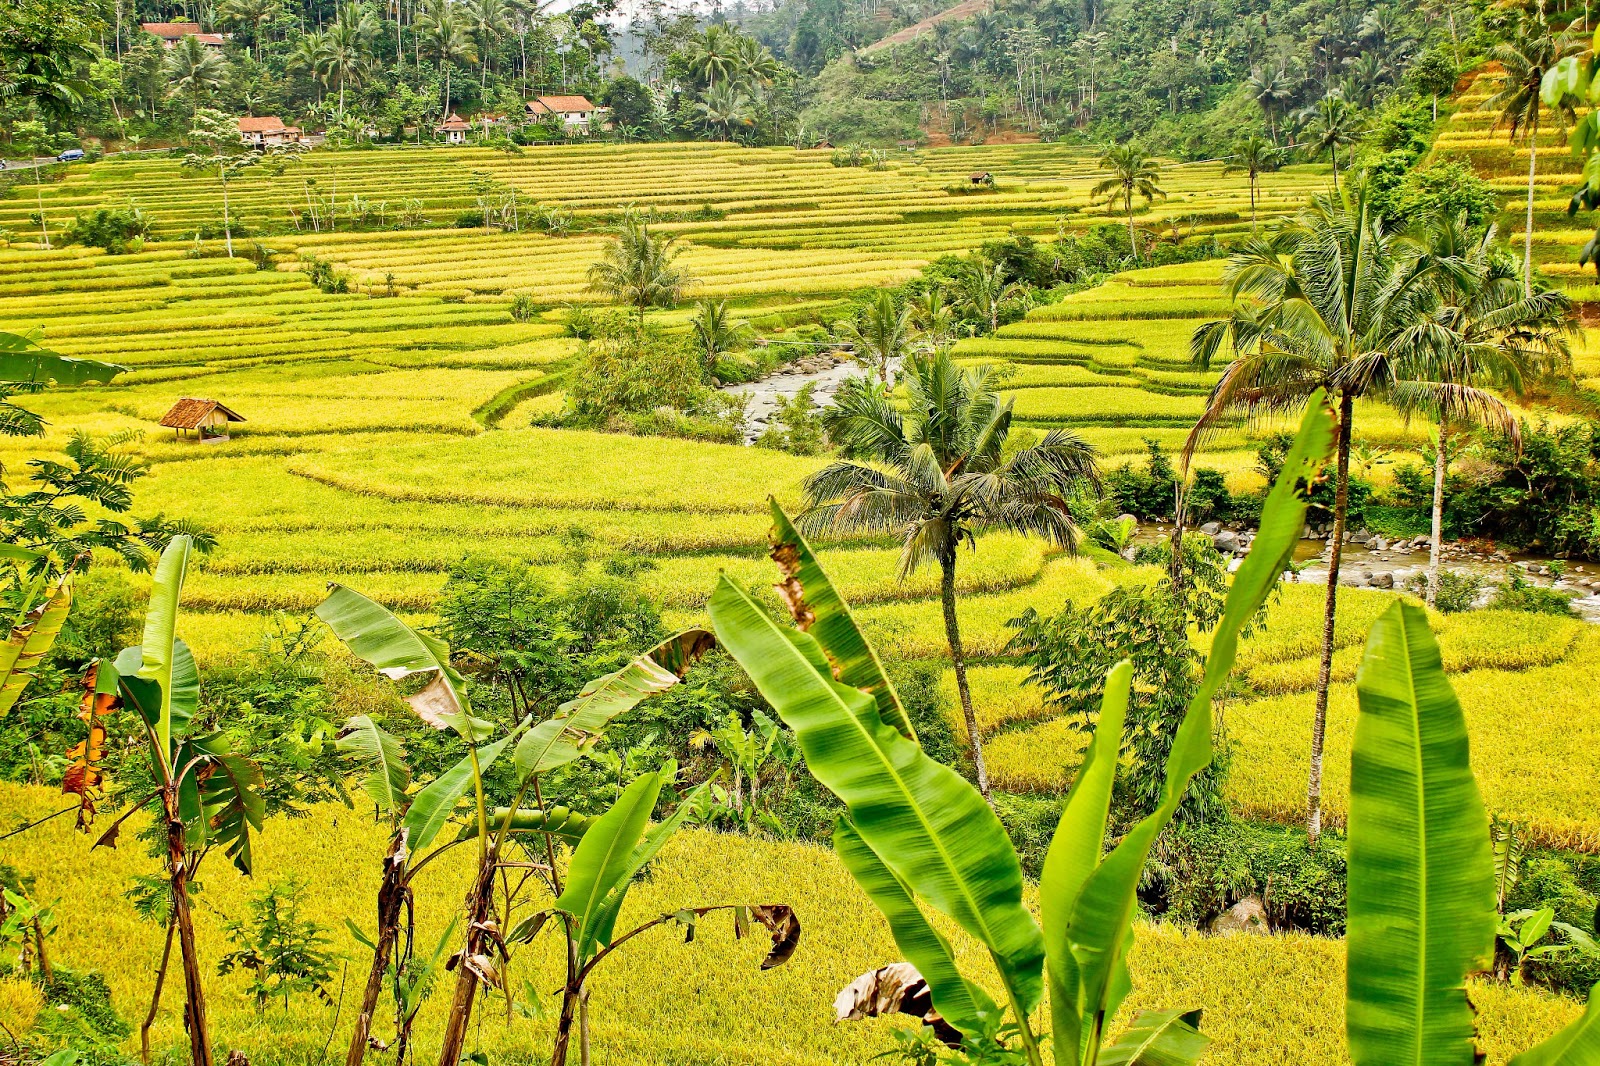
{"points": [[1211, 529], [1361, 537], [1247, 916], [1383, 579], [1129, 519], [1379, 544], [1226, 541]]}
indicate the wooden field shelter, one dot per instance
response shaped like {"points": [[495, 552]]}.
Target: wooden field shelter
{"points": [[206, 419]]}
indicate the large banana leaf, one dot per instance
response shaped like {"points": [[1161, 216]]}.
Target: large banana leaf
{"points": [[577, 724], [1576, 1045], [601, 860], [219, 796], [927, 824], [656, 837], [157, 657], [819, 609], [960, 1002], [372, 632], [1099, 930], [431, 808], [1158, 1038], [29, 642], [388, 776], [22, 360], [1421, 874], [1074, 853]]}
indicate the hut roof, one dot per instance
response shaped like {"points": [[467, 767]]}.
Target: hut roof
{"points": [[262, 124], [171, 30], [454, 122], [190, 413], [555, 105]]}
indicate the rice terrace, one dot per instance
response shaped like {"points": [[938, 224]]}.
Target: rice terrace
{"points": [[799, 532]]}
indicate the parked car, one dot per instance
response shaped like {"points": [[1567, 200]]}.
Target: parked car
{"points": [[71, 155]]}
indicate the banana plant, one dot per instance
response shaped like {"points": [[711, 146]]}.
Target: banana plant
{"points": [[374, 634], [916, 835], [38, 614], [610, 854], [208, 795]]}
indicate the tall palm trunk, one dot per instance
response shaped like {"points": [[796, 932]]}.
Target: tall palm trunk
{"points": [[38, 192], [1335, 150], [1527, 236], [392, 891], [1440, 464], [1133, 245], [194, 1013], [1319, 725], [1252, 204], [952, 632], [227, 219]]}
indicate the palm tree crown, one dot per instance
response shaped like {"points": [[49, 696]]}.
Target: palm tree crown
{"points": [[1132, 173], [938, 473], [1332, 123], [881, 336], [638, 268]]}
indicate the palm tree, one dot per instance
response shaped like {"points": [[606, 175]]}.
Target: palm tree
{"points": [[986, 293], [487, 18], [1252, 156], [345, 46], [1132, 174], [1271, 89], [250, 13], [716, 332], [1532, 50], [638, 268], [1480, 329], [1328, 297], [938, 474], [195, 71], [755, 61], [725, 105], [881, 336], [713, 55], [444, 38], [307, 58], [931, 314], [1331, 123]]}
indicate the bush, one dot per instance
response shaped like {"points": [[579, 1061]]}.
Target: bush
{"points": [[795, 426], [588, 323], [1198, 871], [111, 228], [1520, 594], [1458, 589], [325, 276], [1146, 493], [524, 308], [1208, 498]]}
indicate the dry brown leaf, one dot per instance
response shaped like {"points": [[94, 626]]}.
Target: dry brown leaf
{"points": [[784, 925], [898, 988]]}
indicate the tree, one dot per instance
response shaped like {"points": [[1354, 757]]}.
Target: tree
{"points": [[1329, 297], [940, 473], [1479, 329], [39, 142], [195, 71], [713, 55], [1271, 89], [932, 315], [251, 13], [1132, 173], [639, 268], [1252, 157], [880, 335], [346, 46], [442, 36], [1532, 49], [487, 18], [716, 333], [725, 106], [45, 48], [217, 137], [1331, 124], [985, 292]]}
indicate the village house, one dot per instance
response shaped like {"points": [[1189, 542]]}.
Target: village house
{"points": [[206, 419], [172, 32], [267, 131], [573, 111], [454, 128]]}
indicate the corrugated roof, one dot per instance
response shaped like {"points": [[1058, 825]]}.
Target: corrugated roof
{"points": [[189, 413], [261, 124], [558, 104]]}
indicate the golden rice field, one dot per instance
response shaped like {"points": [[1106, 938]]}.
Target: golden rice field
{"points": [[370, 457]]}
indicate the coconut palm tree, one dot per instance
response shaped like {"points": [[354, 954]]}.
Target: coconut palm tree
{"points": [[986, 292], [307, 58], [347, 45], [938, 473], [488, 20], [1326, 299], [725, 106], [442, 35], [880, 337], [931, 313], [250, 13], [1532, 49], [1331, 124], [639, 268], [194, 71], [714, 55], [1271, 89], [1252, 156], [755, 62], [1479, 330], [1132, 173], [716, 332]]}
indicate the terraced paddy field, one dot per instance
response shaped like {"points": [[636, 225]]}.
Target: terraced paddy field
{"points": [[387, 439]]}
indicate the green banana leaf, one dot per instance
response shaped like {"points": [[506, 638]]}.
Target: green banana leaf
{"points": [[575, 728], [219, 796], [1100, 928], [601, 860], [563, 822], [22, 360], [1075, 851], [960, 1002], [655, 838], [29, 642], [432, 807], [927, 824], [1158, 1038], [817, 607], [1421, 873], [160, 631], [1576, 1045], [372, 633], [365, 742]]}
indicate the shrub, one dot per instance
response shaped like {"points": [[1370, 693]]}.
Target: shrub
{"points": [[638, 374], [524, 308], [795, 427], [325, 276], [111, 228], [1146, 493], [588, 323], [1198, 871], [1458, 589], [1520, 594], [1208, 497], [284, 953]]}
